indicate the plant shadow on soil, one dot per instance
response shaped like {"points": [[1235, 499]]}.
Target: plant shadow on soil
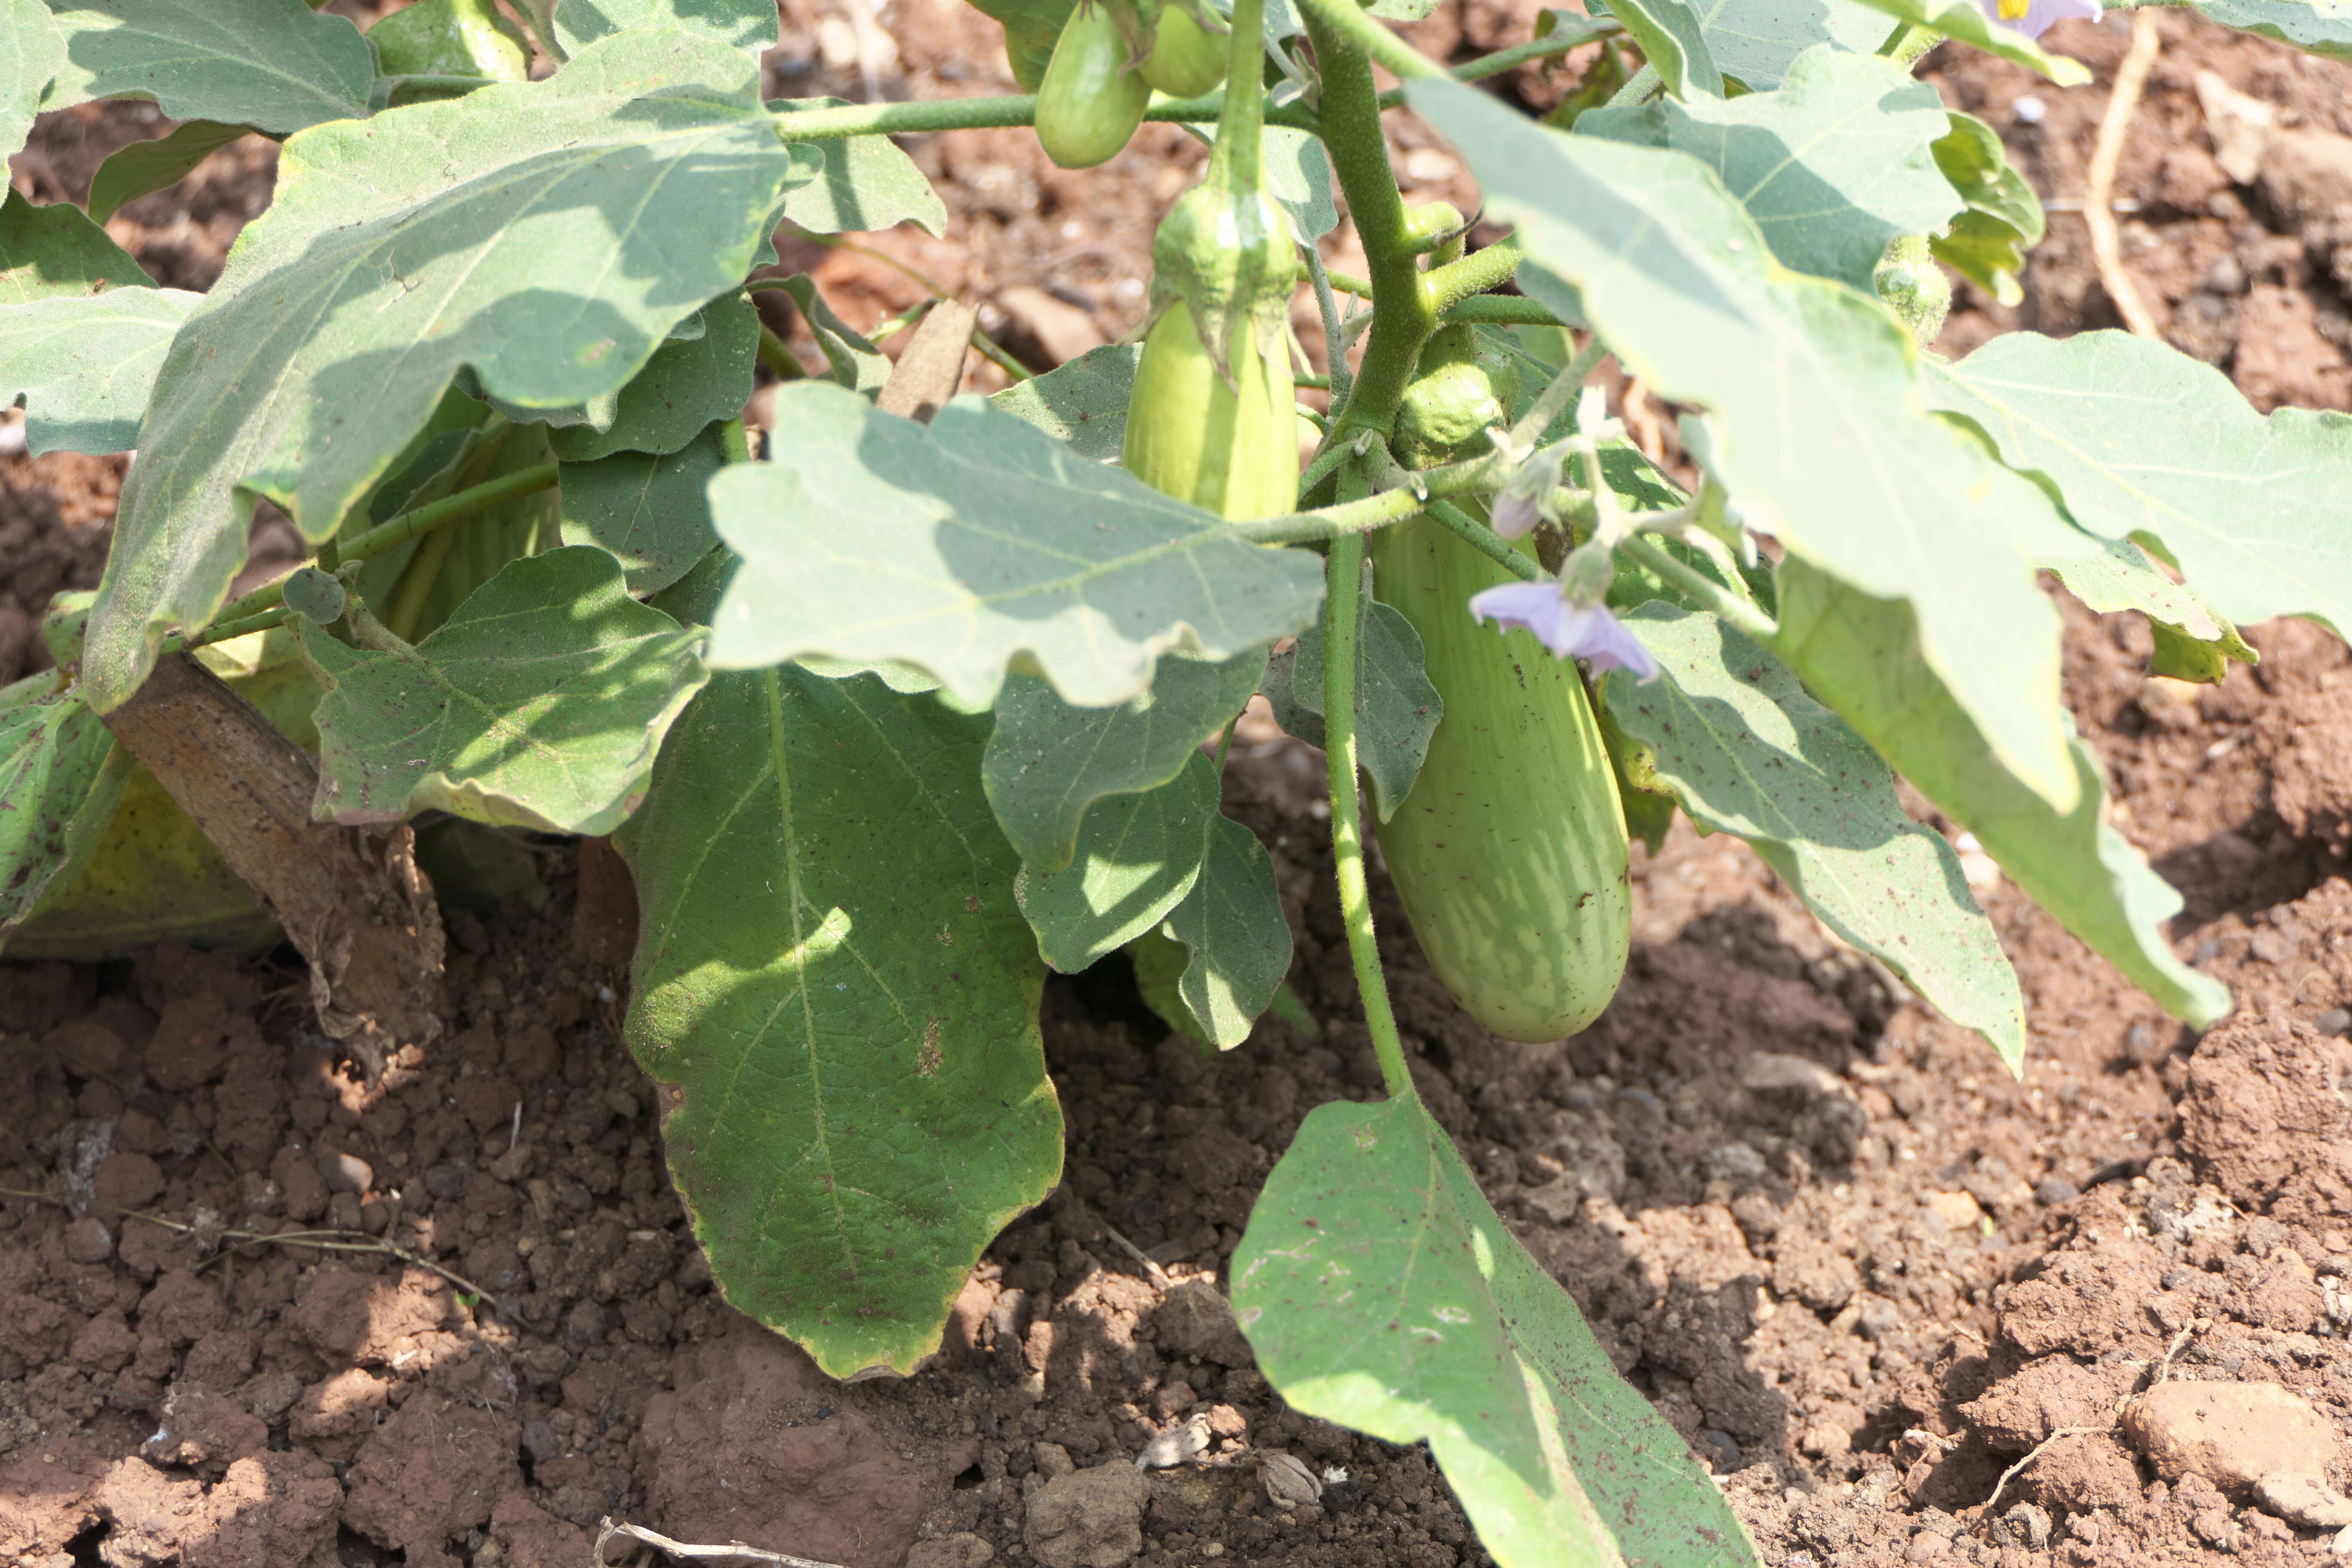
{"points": [[1856, 1265]]}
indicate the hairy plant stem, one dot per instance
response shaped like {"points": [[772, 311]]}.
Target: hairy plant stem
{"points": [[1485, 541], [389, 535], [1459, 281], [1498, 309], [1701, 589], [1346, 41], [984, 114], [1347, 580]]}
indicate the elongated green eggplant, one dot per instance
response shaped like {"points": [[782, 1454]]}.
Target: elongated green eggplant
{"points": [[1089, 103], [1510, 853], [1230, 448], [1186, 58]]}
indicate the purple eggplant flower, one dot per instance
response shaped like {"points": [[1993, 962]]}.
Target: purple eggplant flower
{"points": [[1588, 632], [2035, 17]]}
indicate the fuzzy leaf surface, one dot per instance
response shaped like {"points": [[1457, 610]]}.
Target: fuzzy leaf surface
{"points": [[1048, 761], [651, 513], [2253, 508], [1380, 1290], [840, 997], [1746, 750], [1987, 242], [54, 252], [1861, 658], [1815, 419], [84, 367], [1755, 41], [748, 24], [540, 704], [61, 776], [1831, 164], [31, 49], [148, 166], [1082, 403], [547, 234], [687, 385], [1673, 40], [274, 65], [868, 184], [1138, 857], [2317, 27], [960, 547]]}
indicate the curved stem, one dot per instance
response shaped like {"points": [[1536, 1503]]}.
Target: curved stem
{"points": [[1341, 611], [1456, 281], [1499, 309], [1701, 589], [1485, 540]]}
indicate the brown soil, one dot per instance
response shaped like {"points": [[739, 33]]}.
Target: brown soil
{"points": [[1858, 1267]]}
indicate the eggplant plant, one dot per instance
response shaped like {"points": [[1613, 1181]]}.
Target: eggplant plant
{"points": [[893, 715]]}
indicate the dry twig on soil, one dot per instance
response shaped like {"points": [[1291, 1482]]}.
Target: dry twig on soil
{"points": [[2098, 194], [734, 1551]]}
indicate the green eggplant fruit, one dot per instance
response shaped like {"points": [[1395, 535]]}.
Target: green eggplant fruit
{"points": [[1230, 447], [1510, 852], [1089, 103], [1456, 397], [1186, 58]]}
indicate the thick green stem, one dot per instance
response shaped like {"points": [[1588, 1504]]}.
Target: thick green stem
{"points": [[396, 533], [982, 114], [1365, 35], [1457, 281], [1403, 318], [1347, 579], [1235, 162]]}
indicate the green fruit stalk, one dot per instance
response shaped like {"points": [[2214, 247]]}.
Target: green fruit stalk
{"points": [[1186, 58], [1230, 447], [1089, 103]]}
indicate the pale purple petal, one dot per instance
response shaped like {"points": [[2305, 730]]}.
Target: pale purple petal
{"points": [[1513, 514], [2040, 16], [1570, 631]]}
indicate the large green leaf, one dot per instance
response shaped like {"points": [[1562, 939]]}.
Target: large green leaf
{"points": [[1673, 43], [960, 547], [2322, 26], [1048, 761], [548, 235], [1831, 164], [61, 775], [2145, 443], [651, 512], [84, 367], [54, 252], [31, 50], [748, 24], [687, 385], [1861, 656], [1987, 242], [1137, 855], [1380, 1290], [145, 167], [275, 65], [1746, 750], [1815, 419], [1397, 708], [1231, 925], [1966, 20], [868, 184], [1754, 42], [1082, 403], [540, 704], [840, 998]]}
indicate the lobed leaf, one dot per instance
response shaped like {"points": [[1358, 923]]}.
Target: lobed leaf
{"points": [[1744, 751], [855, 362], [1082, 403], [837, 992], [1672, 41], [1987, 243], [1860, 654], [1397, 708], [962, 547], [61, 776], [685, 386], [540, 704], [1380, 1290], [548, 234], [86, 366], [145, 167], [1831, 164], [2317, 27], [1048, 761], [748, 24], [274, 65], [1137, 855], [1755, 41], [1815, 419], [651, 513], [2145, 443]]}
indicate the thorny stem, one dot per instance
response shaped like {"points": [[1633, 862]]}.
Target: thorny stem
{"points": [[1347, 580]]}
